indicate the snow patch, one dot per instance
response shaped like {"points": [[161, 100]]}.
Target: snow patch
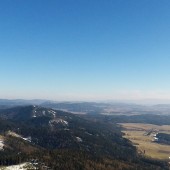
{"points": [[22, 166], [43, 112], [52, 112], [67, 129], [156, 139], [1, 145], [13, 134], [28, 139], [79, 139], [34, 113], [88, 133], [64, 122]]}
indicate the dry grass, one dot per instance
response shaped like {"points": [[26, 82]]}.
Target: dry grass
{"points": [[135, 132]]}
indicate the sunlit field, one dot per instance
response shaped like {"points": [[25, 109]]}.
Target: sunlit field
{"points": [[137, 133]]}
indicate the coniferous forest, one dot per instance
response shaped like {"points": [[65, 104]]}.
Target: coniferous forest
{"points": [[61, 140]]}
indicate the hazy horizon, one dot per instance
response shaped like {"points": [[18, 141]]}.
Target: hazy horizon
{"points": [[138, 102]]}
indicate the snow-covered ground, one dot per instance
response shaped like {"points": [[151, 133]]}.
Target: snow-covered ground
{"points": [[19, 136], [64, 122], [23, 166], [13, 134], [43, 112], [1, 144], [53, 113], [79, 139], [88, 133]]}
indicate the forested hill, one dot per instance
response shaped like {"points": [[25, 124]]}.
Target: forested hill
{"points": [[62, 141]]}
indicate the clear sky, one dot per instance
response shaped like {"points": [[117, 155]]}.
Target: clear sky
{"points": [[85, 49]]}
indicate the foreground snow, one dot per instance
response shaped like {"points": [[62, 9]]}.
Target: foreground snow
{"points": [[23, 166]]}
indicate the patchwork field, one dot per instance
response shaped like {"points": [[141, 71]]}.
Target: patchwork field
{"points": [[143, 137]]}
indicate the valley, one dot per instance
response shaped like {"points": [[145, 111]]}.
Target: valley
{"points": [[143, 136]]}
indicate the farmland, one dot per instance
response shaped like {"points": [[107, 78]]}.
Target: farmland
{"points": [[143, 137]]}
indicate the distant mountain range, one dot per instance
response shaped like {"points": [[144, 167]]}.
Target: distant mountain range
{"points": [[91, 107]]}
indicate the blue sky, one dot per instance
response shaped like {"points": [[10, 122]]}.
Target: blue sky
{"points": [[85, 50]]}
